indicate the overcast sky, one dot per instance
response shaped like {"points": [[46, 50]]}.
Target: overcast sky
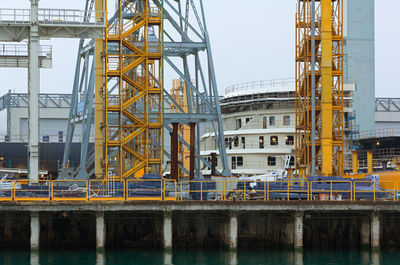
{"points": [[251, 40]]}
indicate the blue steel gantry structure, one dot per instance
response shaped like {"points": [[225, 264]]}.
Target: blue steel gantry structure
{"points": [[186, 53]]}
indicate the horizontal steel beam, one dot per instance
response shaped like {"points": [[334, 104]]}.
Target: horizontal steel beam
{"points": [[175, 49], [22, 62], [186, 118], [171, 49], [20, 100]]}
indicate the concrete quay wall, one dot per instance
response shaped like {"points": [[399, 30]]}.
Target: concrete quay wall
{"points": [[244, 225]]}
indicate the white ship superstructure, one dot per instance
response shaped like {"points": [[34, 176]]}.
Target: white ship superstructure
{"points": [[259, 127]]}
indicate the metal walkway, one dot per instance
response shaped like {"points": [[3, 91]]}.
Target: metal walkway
{"points": [[16, 56], [53, 23]]}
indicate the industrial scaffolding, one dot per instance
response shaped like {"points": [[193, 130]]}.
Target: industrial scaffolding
{"points": [[319, 87], [133, 91]]}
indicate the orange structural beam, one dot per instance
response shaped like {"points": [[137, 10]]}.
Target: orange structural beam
{"points": [[326, 87]]}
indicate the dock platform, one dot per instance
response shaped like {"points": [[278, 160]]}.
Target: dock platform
{"points": [[201, 224]]}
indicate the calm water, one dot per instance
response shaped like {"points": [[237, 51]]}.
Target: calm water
{"points": [[198, 258]]}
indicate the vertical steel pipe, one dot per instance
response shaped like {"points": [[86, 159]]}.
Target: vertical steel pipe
{"points": [[174, 151], [313, 117], [33, 94], [192, 149]]}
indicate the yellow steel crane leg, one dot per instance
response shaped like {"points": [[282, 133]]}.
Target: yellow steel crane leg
{"points": [[355, 162], [326, 83], [98, 97], [370, 162]]}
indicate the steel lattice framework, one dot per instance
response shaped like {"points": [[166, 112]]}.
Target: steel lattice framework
{"points": [[81, 108], [133, 91], [188, 56], [328, 87], [128, 92]]}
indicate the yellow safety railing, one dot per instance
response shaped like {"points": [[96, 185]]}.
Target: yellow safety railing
{"points": [[363, 188], [109, 190], [233, 193], [170, 191], [6, 190], [40, 190], [331, 193], [279, 190], [198, 190], [69, 190], [261, 190], [144, 190]]}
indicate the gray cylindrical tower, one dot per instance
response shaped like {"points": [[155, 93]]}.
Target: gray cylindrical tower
{"points": [[360, 59]]}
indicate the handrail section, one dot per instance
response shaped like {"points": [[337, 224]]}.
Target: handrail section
{"points": [[21, 50], [53, 16], [198, 190]]}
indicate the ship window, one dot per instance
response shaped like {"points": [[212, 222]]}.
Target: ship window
{"points": [[291, 163], [274, 140], [239, 161], [244, 142], [247, 120], [272, 121], [233, 162], [238, 124], [60, 136], [289, 140], [286, 120], [226, 142], [46, 138], [264, 122], [230, 143], [236, 142], [261, 142], [271, 161]]}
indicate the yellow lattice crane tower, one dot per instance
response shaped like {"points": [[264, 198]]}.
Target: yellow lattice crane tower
{"points": [[319, 87], [130, 111]]}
